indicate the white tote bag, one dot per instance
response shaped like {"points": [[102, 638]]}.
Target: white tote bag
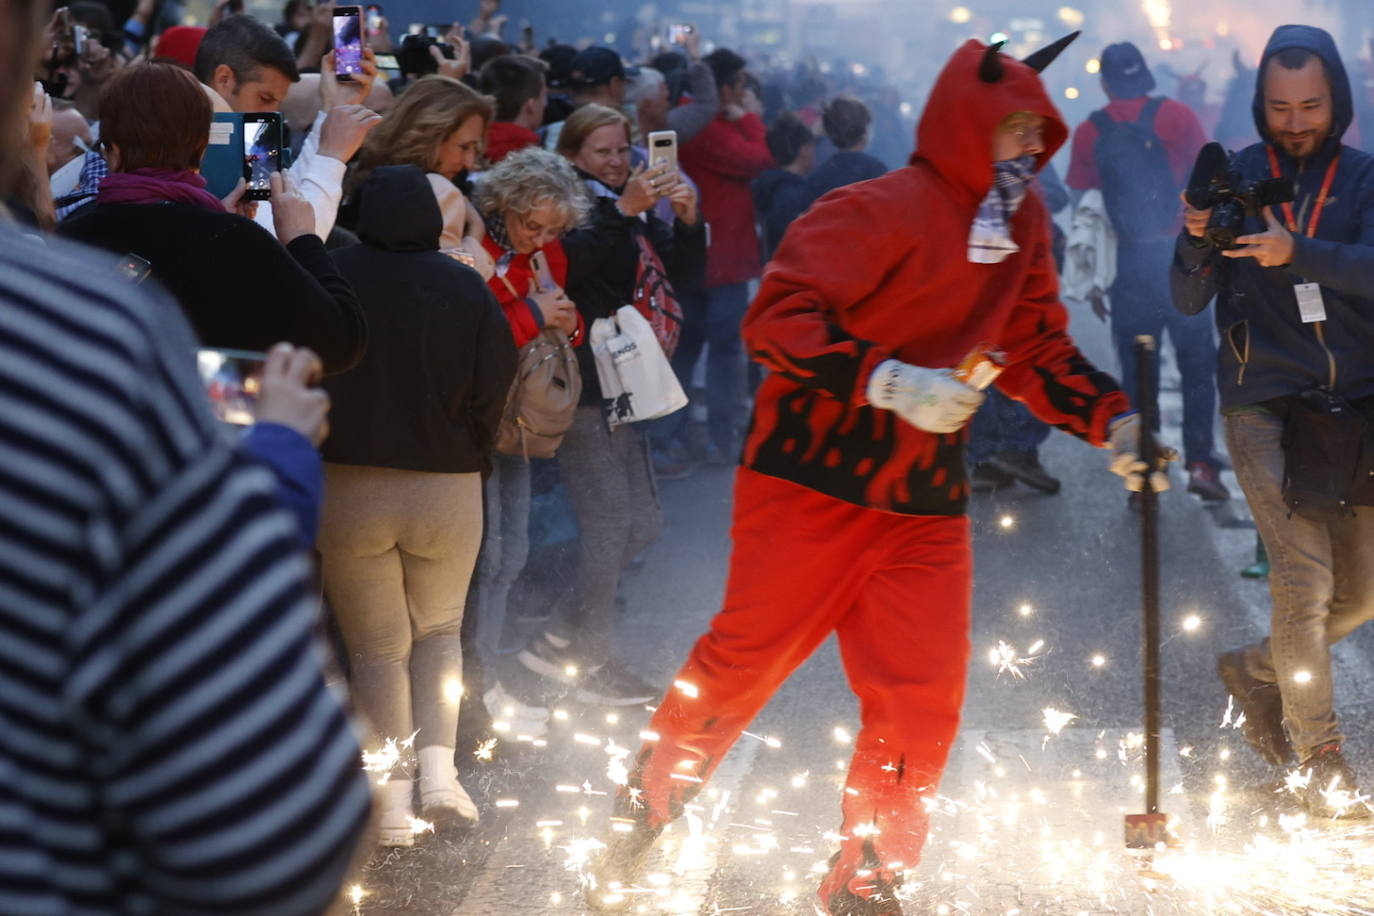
{"points": [[637, 381]]}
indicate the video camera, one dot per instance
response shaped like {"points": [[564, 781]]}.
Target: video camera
{"points": [[413, 56], [1218, 186]]}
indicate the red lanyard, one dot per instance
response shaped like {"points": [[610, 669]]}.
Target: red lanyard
{"points": [[1321, 196]]}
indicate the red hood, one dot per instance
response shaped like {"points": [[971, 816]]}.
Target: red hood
{"points": [[955, 133]]}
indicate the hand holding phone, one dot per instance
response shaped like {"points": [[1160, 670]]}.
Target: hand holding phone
{"points": [[289, 395], [348, 42]]}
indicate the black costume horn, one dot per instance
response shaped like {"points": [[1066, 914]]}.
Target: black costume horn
{"points": [[1046, 55], [990, 70]]}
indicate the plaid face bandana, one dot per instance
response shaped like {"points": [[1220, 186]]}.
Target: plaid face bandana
{"points": [[989, 242]]}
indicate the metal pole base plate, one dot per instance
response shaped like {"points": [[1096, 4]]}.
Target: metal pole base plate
{"points": [[1146, 831]]}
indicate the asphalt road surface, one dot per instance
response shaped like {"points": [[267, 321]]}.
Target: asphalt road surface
{"points": [[1029, 818]]}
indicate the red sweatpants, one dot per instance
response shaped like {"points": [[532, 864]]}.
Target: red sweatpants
{"points": [[895, 589]]}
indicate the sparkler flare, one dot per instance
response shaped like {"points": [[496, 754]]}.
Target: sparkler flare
{"points": [[1056, 720], [1008, 661]]}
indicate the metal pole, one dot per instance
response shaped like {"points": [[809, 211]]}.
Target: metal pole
{"points": [[1148, 398]]}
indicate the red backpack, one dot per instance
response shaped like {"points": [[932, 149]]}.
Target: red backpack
{"points": [[654, 297]]}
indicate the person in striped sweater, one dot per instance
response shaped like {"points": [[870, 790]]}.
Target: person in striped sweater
{"points": [[167, 740]]}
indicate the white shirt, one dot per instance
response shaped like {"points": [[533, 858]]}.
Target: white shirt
{"points": [[320, 179]]}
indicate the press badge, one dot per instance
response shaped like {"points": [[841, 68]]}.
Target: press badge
{"points": [[1310, 304]]}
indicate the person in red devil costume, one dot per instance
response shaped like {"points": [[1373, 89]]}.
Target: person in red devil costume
{"points": [[849, 507]]}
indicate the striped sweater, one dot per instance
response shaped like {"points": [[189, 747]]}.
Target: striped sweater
{"points": [[167, 741]]}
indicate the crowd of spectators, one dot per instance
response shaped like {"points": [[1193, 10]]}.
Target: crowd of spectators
{"points": [[460, 200]]}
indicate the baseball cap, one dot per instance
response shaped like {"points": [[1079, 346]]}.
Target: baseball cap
{"points": [[1125, 72], [597, 67]]}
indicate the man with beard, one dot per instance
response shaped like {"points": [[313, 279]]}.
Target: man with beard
{"points": [[1295, 307], [849, 508]]}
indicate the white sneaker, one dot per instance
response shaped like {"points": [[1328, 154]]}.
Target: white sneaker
{"points": [[443, 799], [524, 720], [394, 827]]}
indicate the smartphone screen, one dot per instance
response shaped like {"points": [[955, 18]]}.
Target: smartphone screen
{"points": [[262, 137], [348, 42], [233, 381], [677, 33]]}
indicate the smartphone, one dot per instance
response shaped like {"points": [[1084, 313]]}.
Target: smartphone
{"points": [[233, 382], [133, 268], [663, 148], [677, 33], [348, 42], [388, 62], [542, 275], [374, 18], [262, 136]]}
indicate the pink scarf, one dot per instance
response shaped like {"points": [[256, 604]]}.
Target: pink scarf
{"points": [[151, 186]]}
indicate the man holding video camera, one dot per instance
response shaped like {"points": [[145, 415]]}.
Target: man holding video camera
{"points": [[1295, 307]]}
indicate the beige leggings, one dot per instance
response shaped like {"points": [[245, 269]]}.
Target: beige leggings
{"points": [[398, 548]]}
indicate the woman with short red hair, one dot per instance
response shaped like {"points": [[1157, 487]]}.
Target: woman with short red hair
{"points": [[238, 286]]}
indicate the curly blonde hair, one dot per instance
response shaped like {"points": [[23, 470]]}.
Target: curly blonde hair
{"points": [[526, 180], [412, 132]]}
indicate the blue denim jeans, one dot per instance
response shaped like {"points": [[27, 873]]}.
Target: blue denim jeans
{"points": [[1321, 583], [1142, 304], [1003, 425], [719, 331], [505, 548]]}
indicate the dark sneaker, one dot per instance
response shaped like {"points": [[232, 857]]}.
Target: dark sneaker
{"points": [[1262, 705], [1025, 467], [984, 478], [618, 867], [1204, 481], [612, 684], [1326, 785], [544, 658]]}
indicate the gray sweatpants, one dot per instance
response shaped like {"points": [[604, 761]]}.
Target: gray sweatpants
{"points": [[397, 550], [609, 480]]}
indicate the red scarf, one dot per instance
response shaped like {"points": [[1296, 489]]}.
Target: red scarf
{"points": [[151, 186]]}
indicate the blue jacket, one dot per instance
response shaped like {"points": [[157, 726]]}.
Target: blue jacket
{"points": [[1266, 351]]}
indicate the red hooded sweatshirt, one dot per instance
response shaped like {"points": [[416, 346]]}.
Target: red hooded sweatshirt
{"points": [[880, 270], [722, 160]]}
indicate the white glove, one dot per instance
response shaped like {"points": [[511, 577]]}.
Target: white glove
{"points": [[1123, 438], [929, 399]]}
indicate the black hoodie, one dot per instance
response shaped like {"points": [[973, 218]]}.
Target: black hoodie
{"points": [[1267, 351], [429, 392]]}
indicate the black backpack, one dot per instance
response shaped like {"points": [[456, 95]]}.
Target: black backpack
{"points": [[1138, 186]]}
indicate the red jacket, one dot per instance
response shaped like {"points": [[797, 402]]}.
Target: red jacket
{"points": [[511, 285], [505, 137], [880, 270], [722, 160]]}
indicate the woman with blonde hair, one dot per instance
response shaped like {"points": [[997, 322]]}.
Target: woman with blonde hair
{"points": [[607, 471], [439, 124]]}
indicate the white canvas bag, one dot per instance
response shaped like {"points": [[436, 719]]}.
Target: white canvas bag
{"points": [[637, 381]]}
